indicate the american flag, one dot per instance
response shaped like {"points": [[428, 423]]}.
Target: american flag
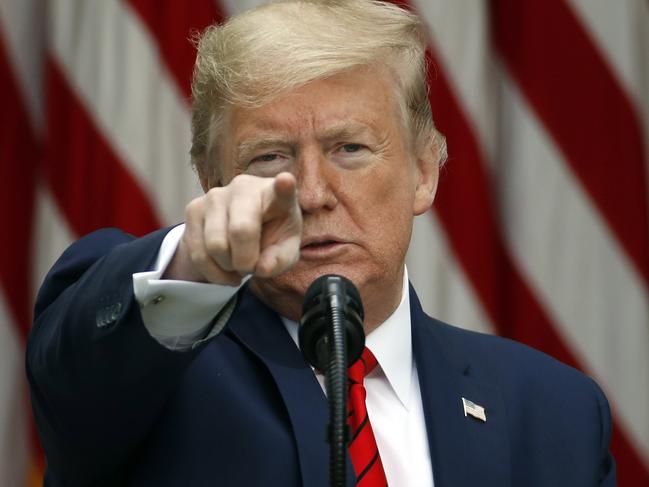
{"points": [[540, 231], [472, 409]]}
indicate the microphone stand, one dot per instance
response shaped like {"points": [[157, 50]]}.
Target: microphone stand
{"points": [[336, 385], [331, 337]]}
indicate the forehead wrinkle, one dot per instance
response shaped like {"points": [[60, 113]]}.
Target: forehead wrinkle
{"points": [[345, 130]]}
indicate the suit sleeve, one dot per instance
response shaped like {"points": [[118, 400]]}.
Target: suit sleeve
{"points": [[98, 380]]}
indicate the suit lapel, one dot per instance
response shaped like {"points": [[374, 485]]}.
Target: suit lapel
{"points": [[261, 330], [464, 451]]}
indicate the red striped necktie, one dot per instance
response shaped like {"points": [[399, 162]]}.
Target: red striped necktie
{"points": [[362, 449]]}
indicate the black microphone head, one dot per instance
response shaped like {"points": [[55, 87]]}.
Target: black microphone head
{"points": [[315, 318]]}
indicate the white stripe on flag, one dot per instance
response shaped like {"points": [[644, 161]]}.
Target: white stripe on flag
{"points": [[23, 24], [52, 236], [14, 410]]}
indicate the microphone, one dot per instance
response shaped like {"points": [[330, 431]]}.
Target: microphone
{"points": [[331, 338], [326, 296]]}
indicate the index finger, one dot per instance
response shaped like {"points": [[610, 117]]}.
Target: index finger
{"points": [[282, 195]]}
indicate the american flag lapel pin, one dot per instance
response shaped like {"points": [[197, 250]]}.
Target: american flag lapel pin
{"points": [[473, 409]]}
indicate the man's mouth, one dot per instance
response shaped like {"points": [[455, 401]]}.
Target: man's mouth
{"points": [[319, 244], [317, 248]]}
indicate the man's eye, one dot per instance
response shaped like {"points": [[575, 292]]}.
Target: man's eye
{"points": [[265, 158], [349, 148]]}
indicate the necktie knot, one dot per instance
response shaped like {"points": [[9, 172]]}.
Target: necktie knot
{"points": [[362, 366]]}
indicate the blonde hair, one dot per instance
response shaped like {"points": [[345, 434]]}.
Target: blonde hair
{"points": [[275, 48]]}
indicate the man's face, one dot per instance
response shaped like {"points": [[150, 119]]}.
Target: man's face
{"points": [[359, 182]]}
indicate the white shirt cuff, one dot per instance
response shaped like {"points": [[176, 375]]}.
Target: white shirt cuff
{"points": [[177, 313]]}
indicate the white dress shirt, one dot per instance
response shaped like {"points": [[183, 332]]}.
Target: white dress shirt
{"points": [[178, 315]]}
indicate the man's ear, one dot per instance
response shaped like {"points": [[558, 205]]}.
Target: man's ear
{"points": [[428, 161]]}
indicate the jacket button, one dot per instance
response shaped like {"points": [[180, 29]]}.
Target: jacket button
{"points": [[115, 309], [101, 318], [108, 315]]}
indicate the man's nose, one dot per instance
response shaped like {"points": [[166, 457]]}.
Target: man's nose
{"points": [[316, 180]]}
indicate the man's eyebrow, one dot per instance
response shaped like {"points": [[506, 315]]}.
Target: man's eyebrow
{"points": [[248, 147]]}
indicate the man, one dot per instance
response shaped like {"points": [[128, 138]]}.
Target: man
{"points": [[152, 364]]}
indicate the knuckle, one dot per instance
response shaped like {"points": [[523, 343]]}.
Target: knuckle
{"points": [[215, 192], [193, 208], [285, 261], [279, 267], [213, 197], [263, 270], [216, 244], [198, 257], [240, 180], [243, 231]]}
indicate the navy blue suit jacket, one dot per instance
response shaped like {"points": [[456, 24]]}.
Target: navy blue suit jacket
{"points": [[113, 407]]}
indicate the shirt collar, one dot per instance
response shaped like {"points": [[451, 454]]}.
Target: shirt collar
{"points": [[391, 344]]}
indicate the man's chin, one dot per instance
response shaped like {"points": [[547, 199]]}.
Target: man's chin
{"points": [[380, 288], [301, 277], [287, 290]]}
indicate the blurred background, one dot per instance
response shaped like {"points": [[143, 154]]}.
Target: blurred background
{"points": [[540, 231]]}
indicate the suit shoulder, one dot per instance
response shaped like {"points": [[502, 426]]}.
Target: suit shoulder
{"points": [[90, 247], [500, 359], [86, 252], [548, 406]]}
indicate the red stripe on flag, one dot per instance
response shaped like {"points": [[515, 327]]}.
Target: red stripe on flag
{"points": [[19, 155], [170, 23], [89, 182], [578, 99]]}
